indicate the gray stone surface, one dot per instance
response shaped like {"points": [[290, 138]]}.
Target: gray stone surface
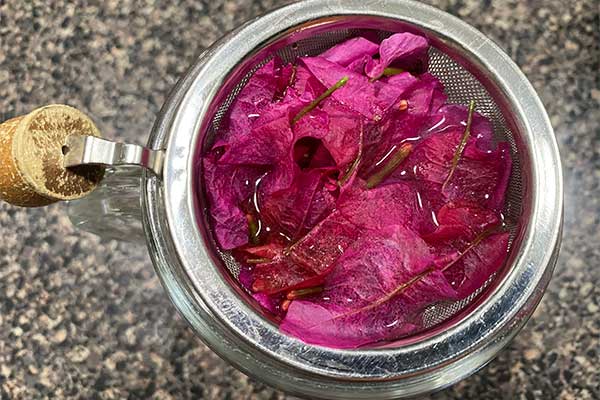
{"points": [[87, 318]]}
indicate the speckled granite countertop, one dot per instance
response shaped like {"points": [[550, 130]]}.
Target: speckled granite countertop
{"points": [[82, 317]]}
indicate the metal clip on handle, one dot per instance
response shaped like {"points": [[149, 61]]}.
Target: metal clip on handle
{"points": [[91, 150]]}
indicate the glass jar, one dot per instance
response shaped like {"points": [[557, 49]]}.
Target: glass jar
{"points": [[162, 203]]}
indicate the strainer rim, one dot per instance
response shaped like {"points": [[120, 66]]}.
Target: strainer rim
{"points": [[178, 199]]}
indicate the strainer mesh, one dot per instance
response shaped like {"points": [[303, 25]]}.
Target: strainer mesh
{"points": [[460, 86]]}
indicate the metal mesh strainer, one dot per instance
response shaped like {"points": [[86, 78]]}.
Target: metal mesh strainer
{"points": [[202, 282], [460, 86]]}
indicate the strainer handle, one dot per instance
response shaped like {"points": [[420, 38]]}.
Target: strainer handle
{"points": [[56, 153]]}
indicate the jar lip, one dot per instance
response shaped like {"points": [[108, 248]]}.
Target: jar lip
{"points": [[228, 325]]}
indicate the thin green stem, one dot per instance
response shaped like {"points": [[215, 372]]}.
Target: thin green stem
{"points": [[350, 171], [394, 161], [470, 247], [404, 286], [319, 99], [461, 145], [292, 76], [253, 228], [258, 260], [356, 161], [281, 94], [294, 294], [390, 71]]}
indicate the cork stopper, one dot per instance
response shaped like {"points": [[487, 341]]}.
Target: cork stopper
{"points": [[31, 156]]}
